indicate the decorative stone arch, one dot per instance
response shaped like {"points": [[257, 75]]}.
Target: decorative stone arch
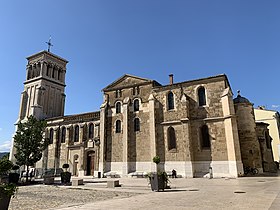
{"points": [[136, 124], [90, 130], [118, 126], [76, 133], [171, 139], [134, 105], [170, 100], [198, 96], [118, 107]]}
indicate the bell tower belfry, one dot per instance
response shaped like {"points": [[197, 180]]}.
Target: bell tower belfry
{"points": [[44, 89], [43, 95]]}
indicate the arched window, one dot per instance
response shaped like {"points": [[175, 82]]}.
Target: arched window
{"points": [[63, 134], [90, 131], [205, 137], [267, 140], [171, 138], [76, 134], [136, 124], [118, 126], [118, 107], [170, 100], [136, 105], [201, 96]]}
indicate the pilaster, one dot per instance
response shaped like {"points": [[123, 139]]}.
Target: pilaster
{"points": [[152, 128], [231, 133], [125, 136]]}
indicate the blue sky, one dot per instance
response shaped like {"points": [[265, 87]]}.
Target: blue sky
{"points": [[104, 39]]}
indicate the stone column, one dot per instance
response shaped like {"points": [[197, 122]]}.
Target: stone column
{"points": [[102, 147], [125, 136], [231, 133], [152, 129]]}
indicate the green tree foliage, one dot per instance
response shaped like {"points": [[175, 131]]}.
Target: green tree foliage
{"points": [[29, 142]]}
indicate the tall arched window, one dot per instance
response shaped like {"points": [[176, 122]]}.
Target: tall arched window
{"points": [[51, 136], [118, 107], [201, 96], [267, 140], [76, 134], [136, 124], [171, 138], [170, 100], [205, 137], [63, 134], [136, 105], [118, 126], [90, 131]]}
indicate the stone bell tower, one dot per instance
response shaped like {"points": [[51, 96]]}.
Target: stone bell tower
{"points": [[43, 95]]}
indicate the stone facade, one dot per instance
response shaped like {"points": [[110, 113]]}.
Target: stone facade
{"points": [[193, 126]]}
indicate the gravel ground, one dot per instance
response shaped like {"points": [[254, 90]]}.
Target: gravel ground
{"points": [[39, 197]]}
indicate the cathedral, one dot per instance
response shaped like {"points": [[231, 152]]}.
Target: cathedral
{"points": [[194, 126]]}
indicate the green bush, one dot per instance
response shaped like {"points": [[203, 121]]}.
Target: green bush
{"points": [[156, 159]]}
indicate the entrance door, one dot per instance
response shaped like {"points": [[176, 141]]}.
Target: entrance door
{"points": [[90, 163]]}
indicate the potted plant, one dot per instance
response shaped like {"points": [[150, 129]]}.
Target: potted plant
{"points": [[65, 175], [6, 189], [158, 180], [14, 175]]}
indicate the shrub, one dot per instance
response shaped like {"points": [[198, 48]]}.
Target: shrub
{"points": [[156, 159]]}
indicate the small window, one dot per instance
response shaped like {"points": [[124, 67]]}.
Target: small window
{"points": [[171, 138], [118, 107], [170, 99], [136, 105], [63, 134], [136, 124], [76, 134], [51, 136], [205, 137], [118, 126], [201, 96], [90, 131]]}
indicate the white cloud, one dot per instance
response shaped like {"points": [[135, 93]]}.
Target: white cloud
{"points": [[275, 106], [5, 146]]}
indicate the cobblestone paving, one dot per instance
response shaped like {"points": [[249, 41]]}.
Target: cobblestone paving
{"points": [[47, 197]]}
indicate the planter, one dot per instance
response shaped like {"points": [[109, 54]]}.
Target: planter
{"points": [[65, 177], [157, 182], [4, 200], [13, 178]]}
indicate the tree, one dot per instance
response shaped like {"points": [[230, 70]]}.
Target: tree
{"points": [[30, 142]]}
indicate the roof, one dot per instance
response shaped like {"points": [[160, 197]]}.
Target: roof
{"points": [[240, 99], [48, 53], [128, 80]]}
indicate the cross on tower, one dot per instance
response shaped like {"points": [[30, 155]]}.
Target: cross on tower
{"points": [[49, 44]]}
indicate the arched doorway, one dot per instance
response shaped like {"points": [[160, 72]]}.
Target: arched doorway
{"points": [[90, 163]]}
